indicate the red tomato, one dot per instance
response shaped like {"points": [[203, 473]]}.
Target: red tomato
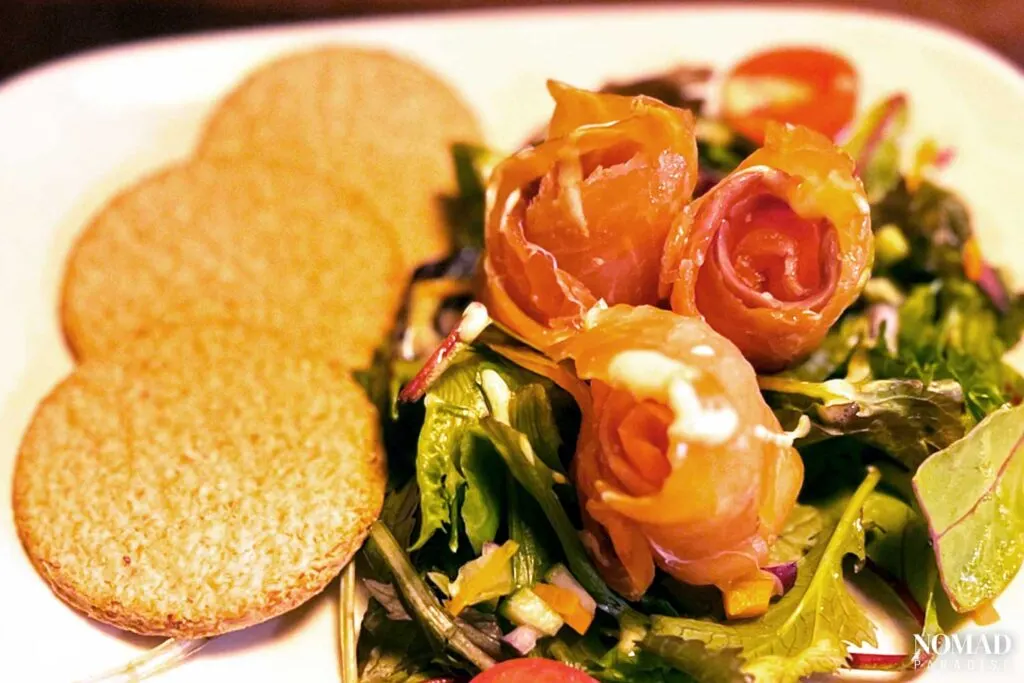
{"points": [[532, 670], [800, 85]]}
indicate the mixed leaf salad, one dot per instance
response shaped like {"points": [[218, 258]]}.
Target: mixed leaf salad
{"points": [[688, 371]]}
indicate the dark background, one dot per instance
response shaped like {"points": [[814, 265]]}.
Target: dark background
{"points": [[35, 31]]}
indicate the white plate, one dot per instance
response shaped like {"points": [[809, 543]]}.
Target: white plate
{"points": [[73, 132]]}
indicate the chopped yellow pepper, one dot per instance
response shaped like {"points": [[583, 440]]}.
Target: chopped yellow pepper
{"points": [[747, 598]]}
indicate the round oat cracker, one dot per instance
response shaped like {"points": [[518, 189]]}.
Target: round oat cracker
{"points": [[272, 247], [363, 117], [198, 481]]}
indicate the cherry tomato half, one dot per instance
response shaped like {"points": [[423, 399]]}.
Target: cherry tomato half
{"points": [[532, 670], [799, 85]]}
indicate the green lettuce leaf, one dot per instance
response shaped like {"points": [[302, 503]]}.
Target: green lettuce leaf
{"points": [[527, 527], [899, 549], [809, 628], [949, 330], [906, 418], [798, 535], [437, 472], [485, 486], [530, 410], [539, 481], [453, 405], [972, 495], [833, 352], [693, 658], [465, 210]]}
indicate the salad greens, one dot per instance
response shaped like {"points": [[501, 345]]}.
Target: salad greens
{"points": [[977, 527], [539, 481], [914, 465], [442, 629], [465, 210], [453, 469], [904, 418], [811, 626], [949, 330], [803, 526], [899, 552]]}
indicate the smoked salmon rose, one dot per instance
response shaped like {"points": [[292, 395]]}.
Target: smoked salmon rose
{"points": [[775, 252], [583, 216], [680, 463]]}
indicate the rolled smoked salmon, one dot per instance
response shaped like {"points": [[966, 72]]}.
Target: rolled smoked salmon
{"points": [[583, 216], [773, 254], [680, 463]]}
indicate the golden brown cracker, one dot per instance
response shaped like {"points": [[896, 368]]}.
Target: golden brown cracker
{"points": [[273, 247], [198, 481], [363, 117]]}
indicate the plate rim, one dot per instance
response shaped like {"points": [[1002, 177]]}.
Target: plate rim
{"points": [[59, 72], [969, 45]]}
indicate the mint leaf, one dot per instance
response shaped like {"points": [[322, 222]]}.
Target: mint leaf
{"points": [[808, 630], [972, 495]]}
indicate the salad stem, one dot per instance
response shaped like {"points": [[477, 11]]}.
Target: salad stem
{"points": [[900, 589], [161, 658], [347, 635], [422, 602]]}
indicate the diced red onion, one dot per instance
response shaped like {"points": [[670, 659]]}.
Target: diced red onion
{"points": [[990, 283], [785, 573], [886, 314], [944, 157], [523, 639], [893, 107]]}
